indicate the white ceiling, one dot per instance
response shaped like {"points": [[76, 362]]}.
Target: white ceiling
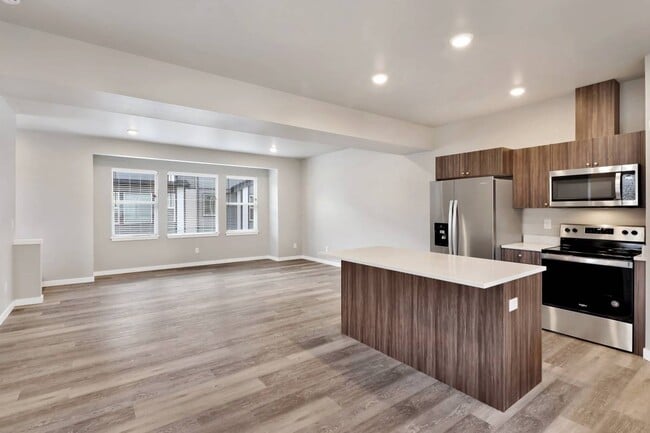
{"points": [[329, 49]]}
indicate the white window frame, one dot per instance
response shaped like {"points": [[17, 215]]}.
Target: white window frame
{"points": [[132, 237], [216, 206], [255, 229]]}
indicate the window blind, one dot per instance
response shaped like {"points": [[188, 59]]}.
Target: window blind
{"points": [[135, 203], [241, 204], [191, 204]]}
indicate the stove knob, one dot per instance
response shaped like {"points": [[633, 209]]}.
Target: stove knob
{"points": [[567, 230], [625, 232], [574, 230], [634, 233]]}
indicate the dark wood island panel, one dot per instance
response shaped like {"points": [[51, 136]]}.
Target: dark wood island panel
{"points": [[463, 336]]}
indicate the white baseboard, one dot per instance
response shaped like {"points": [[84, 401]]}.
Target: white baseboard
{"points": [[6, 312], [177, 266], [285, 258], [184, 265], [19, 303], [323, 261], [28, 301], [83, 280], [646, 354]]}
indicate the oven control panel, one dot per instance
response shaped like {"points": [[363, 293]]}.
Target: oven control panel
{"points": [[603, 232]]}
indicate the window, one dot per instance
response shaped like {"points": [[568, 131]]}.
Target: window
{"points": [[241, 205], [171, 206], [194, 209], [135, 204], [209, 205]]}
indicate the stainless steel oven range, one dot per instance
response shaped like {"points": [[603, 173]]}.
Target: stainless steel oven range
{"points": [[588, 286]]}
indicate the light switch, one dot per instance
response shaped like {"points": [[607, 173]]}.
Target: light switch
{"points": [[547, 224], [513, 304]]}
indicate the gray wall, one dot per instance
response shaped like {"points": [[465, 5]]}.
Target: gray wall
{"points": [[59, 208], [111, 255], [356, 198], [7, 200]]}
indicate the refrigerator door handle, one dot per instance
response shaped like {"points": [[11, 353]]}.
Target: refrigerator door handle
{"points": [[450, 225], [454, 239]]}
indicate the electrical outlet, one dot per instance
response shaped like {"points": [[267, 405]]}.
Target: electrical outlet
{"points": [[547, 224], [327, 249], [196, 250], [513, 304], [295, 245]]}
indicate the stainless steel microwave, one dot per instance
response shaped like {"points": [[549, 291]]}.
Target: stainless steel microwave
{"points": [[612, 186]]}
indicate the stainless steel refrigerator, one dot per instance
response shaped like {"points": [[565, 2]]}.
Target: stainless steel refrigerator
{"points": [[473, 217]]}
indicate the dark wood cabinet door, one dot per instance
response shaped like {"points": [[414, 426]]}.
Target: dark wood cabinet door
{"points": [[472, 164], [572, 154], [639, 326], [619, 149], [449, 166], [521, 256], [530, 167], [520, 176], [494, 162]]}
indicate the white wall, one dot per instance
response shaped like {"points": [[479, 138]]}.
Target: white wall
{"points": [[647, 194], [357, 198], [7, 201], [54, 186], [118, 255]]}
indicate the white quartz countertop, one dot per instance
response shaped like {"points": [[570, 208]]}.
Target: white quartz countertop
{"points": [[468, 271], [527, 246]]}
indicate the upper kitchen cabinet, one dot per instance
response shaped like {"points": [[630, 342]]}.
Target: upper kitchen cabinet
{"points": [[572, 154], [530, 167], [619, 149], [597, 109], [599, 152], [448, 166], [490, 162]]}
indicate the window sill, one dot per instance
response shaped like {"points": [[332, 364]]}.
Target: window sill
{"points": [[133, 238], [192, 235], [242, 232]]}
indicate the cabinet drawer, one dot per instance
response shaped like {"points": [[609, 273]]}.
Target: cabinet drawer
{"points": [[521, 256]]}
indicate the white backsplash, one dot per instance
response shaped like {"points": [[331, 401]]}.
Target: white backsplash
{"points": [[533, 219]]}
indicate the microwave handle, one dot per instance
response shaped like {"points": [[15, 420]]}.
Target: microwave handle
{"points": [[617, 185]]}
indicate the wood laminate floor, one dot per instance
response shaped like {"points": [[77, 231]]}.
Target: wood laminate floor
{"points": [[255, 347]]}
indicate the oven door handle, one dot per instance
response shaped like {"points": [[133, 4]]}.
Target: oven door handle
{"points": [[627, 264]]}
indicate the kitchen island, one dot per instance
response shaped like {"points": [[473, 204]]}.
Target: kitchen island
{"points": [[474, 324]]}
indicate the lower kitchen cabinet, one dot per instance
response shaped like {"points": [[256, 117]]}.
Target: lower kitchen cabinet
{"points": [[521, 256], [638, 339]]}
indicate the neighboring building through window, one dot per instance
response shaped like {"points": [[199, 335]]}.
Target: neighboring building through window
{"points": [[191, 204], [135, 204], [241, 205]]}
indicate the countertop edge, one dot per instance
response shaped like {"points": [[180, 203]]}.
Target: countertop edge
{"points": [[487, 285], [527, 246]]}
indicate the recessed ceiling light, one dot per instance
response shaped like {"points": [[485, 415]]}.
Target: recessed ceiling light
{"points": [[461, 40], [11, 2], [132, 132], [273, 149], [380, 79], [517, 91]]}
